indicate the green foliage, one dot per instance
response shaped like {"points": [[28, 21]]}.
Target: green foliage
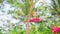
{"points": [[42, 29], [1, 1], [25, 6], [17, 12], [47, 31], [0, 31], [15, 3], [16, 30], [56, 6], [33, 30], [43, 8]]}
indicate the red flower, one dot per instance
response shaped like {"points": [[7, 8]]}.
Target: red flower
{"points": [[34, 20], [55, 29]]}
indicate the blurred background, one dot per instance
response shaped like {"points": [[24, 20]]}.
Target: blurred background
{"points": [[13, 16]]}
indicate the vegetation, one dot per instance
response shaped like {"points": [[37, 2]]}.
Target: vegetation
{"points": [[36, 19]]}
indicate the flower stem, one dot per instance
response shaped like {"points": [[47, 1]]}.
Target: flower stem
{"points": [[29, 14]]}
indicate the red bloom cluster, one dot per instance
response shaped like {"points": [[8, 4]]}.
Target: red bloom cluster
{"points": [[55, 29], [34, 20]]}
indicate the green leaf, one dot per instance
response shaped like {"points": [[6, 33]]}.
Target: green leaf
{"points": [[18, 13], [19, 5]]}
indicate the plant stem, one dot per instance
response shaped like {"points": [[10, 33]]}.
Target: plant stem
{"points": [[29, 15]]}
